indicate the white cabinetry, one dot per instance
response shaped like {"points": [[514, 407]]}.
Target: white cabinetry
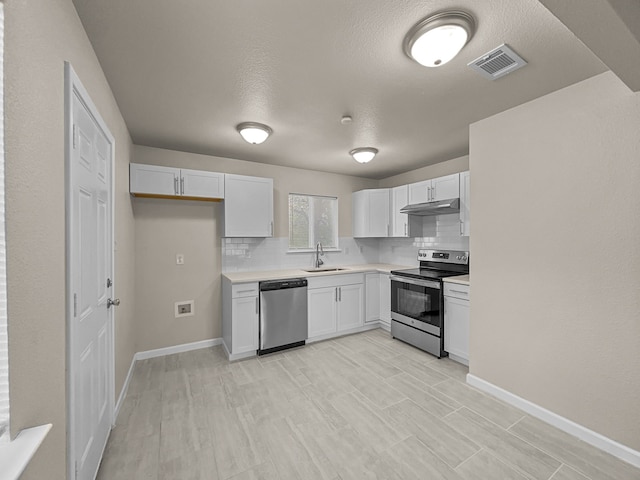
{"points": [[240, 317], [372, 296], [168, 182], [399, 221], [248, 206], [370, 210], [336, 304], [441, 188], [385, 300], [465, 222], [378, 299], [456, 321]]}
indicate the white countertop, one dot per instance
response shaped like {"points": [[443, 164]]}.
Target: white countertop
{"points": [[243, 277], [461, 279]]}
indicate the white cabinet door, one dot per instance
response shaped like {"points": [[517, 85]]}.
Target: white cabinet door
{"points": [[399, 221], [359, 213], [154, 180], [372, 297], [378, 213], [244, 321], [456, 328], [385, 298], [465, 194], [370, 213], [248, 206], [322, 306], [350, 306], [198, 183], [444, 188], [420, 192]]}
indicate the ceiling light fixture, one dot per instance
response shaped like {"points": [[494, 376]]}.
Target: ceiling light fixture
{"points": [[253, 132], [437, 39], [363, 154]]}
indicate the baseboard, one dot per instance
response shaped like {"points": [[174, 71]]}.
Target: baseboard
{"points": [[125, 388], [572, 428], [185, 347]]}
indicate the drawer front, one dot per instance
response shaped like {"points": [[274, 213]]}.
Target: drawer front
{"points": [[456, 290], [239, 290], [335, 280]]}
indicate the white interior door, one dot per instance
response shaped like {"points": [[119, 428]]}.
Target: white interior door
{"points": [[89, 281]]}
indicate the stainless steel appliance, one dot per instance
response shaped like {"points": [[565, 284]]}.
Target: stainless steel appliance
{"points": [[417, 315], [283, 314]]}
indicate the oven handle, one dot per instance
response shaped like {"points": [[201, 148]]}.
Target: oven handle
{"points": [[420, 283]]}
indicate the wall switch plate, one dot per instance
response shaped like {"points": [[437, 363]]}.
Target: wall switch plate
{"points": [[179, 259], [184, 308]]}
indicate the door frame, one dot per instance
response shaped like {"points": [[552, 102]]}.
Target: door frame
{"points": [[73, 86]]}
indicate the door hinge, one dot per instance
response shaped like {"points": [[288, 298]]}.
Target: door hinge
{"points": [[75, 305], [109, 283]]}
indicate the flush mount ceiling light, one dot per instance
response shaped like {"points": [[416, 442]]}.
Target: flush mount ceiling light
{"points": [[437, 39], [253, 132], [363, 154]]}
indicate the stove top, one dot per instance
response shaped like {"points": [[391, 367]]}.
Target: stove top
{"points": [[427, 273], [438, 264]]}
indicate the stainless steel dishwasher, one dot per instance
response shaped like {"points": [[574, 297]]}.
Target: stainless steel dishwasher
{"points": [[283, 314]]}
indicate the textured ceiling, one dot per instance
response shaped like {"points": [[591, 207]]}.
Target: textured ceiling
{"points": [[185, 73]]}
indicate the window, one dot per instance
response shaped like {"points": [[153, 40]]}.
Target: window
{"points": [[4, 340], [312, 219]]}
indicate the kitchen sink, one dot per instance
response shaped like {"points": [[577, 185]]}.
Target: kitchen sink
{"points": [[324, 269]]}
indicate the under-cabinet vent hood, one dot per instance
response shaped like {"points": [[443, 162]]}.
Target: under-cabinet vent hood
{"points": [[441, 207]]}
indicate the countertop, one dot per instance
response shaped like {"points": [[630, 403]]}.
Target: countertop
{"points": [[461, 279], [243, 277]]}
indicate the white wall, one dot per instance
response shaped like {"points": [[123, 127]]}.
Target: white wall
{"points": [[556, 270], [40, 36]]}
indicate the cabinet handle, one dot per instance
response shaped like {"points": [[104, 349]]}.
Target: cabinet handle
{"points": [[433, 193], [340, 290], [272, 229], [428, 194], [405, 230], [245, 291], [175, 185], [181, 185], [336, 294], [461, 228], [459, 291], [257, 307]]}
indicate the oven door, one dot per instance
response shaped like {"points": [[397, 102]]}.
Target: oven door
{"points": [[417, 303]]}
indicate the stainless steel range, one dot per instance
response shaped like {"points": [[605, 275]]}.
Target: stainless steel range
{"points": [[417, 301]]}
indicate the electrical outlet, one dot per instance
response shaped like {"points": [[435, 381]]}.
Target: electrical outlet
{"points": [[179, 259], [184, 308]]}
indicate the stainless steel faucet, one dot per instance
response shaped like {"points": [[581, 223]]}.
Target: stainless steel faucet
{"points": [[319, 253]]}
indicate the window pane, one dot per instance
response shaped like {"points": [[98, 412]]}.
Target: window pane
{"points": [[312, 219]]}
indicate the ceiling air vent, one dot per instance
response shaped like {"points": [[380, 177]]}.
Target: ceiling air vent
{"points": [[498, 62]]}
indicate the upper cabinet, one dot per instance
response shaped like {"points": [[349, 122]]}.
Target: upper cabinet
{"points": [[399, 221], [168, 182], [465, 222], [441, 188], [370, 213], [248, 206]]}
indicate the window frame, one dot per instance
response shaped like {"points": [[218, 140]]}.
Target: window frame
{"points": [[312, 238]]}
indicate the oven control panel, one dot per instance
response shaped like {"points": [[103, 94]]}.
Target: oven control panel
{"points": [[445, 256]]}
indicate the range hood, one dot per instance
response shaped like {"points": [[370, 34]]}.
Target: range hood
{"points": [[440, 207]]}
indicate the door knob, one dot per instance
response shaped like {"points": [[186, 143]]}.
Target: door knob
{"points": [[115, 302]]}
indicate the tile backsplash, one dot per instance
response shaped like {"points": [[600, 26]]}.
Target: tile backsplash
{"points": [[255, 254]]}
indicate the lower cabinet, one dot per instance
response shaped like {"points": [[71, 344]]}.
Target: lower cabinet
{"points": [[378, 287], [456, 322], [336, 304], [240, 318]]}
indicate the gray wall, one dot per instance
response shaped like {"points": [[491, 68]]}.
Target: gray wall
{"points": [[40, 36], [555, 264]]}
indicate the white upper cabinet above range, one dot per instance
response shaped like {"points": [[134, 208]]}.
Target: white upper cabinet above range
{"points": [[164, 182], [248, 206], [441, 188], [371, 213]]}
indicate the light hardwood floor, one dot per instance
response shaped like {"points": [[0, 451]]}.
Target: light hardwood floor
{"points": [[359, 407]]}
